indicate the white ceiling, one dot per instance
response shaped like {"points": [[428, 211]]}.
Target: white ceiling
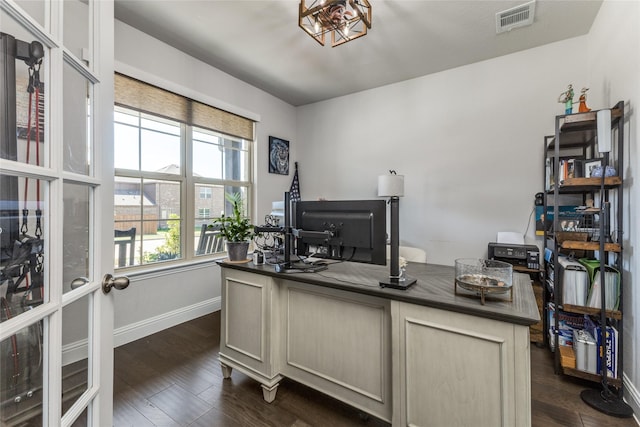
{"points": [[260, 42]]}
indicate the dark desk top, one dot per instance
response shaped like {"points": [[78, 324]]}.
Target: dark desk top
{"points": [[434, 288]]}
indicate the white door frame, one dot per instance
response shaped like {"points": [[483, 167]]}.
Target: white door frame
{"points": [[98, 398]]}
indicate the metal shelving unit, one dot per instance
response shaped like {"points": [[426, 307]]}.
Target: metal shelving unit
{"points": [[600, 237]]}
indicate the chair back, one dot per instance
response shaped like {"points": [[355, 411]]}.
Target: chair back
{"points": [[410, 254], [211, 241], [125, 241]]}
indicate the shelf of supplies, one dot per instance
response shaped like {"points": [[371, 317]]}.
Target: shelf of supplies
{"points": [[590, 246], [580, 185], [611, 314], [609, 182], [589, 376]]}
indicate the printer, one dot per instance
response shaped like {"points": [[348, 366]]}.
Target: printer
{"points": [[522, 255]]}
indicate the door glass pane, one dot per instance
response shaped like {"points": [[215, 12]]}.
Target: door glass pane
{"points": [[75, 352], [23, 103], [21, 364], [77, 141], [76, 26], [75, 234], [22, 224], [82, 420], [34, 8]]}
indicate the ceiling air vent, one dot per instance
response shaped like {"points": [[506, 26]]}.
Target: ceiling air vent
{"points": [[515, 17]]}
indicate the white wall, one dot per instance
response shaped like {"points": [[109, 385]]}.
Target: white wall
{"points": [[614, 70], [469, 142], [154, 302]]}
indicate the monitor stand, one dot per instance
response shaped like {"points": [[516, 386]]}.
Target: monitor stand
{"points": [[289, 267], [396, 283]]}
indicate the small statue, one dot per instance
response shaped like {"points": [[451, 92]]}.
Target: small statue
{"points": [[566, 98], [582, 108]]}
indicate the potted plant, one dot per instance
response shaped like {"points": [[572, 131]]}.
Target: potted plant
{"points": [[236, 229]]}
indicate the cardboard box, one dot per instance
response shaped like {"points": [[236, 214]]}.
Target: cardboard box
{"points": [[567, 357]]}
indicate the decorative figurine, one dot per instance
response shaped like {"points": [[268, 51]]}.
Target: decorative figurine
{"points": [[582, 108], [566, 98]]}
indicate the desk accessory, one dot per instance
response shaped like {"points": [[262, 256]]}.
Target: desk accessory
{"points": [[392, 186]]}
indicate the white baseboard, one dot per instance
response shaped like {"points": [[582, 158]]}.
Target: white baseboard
{"points": [[135, 331], [632, 397], [78, 350]]}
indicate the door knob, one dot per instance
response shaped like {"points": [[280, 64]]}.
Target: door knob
{"points": [[109, 282]]}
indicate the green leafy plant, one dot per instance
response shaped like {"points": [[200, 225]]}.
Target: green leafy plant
{"points": [[236, 227]]}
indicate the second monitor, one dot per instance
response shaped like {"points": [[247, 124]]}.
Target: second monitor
{"points": [[347, 230]]}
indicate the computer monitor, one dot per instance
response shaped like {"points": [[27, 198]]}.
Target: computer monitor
{"points": [[347, 230]]}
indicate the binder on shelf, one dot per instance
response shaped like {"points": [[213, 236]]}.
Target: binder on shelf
{"points": [[611, 288], [575, 282], [611, 358]]}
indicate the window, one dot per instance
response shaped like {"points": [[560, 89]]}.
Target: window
{"points": [[205, 193], [171, 176]]}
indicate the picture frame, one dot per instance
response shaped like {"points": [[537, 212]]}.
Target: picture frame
{"points": [[589, 165], [278, 156]]}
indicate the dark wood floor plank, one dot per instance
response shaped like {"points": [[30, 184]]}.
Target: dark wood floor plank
{"points": [[180, 404], [173, 378]]}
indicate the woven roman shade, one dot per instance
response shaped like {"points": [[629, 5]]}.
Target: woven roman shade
{"points": [[142, 96]]}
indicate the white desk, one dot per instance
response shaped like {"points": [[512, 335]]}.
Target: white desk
{"points": [[418, 357]]}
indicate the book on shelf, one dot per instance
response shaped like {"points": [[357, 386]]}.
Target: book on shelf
{"points": [[567, 168], [568, 218]]}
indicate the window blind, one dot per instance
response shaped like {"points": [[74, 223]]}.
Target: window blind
{"points": [[145, 97]]}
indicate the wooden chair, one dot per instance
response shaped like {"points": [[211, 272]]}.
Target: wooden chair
{"points": [[211, 241], [125, 241], [410, 254]]}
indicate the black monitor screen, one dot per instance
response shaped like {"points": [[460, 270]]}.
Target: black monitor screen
{"points": [[348, 230]]}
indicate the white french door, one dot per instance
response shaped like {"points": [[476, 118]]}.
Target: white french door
{"points": [[56, 212]]}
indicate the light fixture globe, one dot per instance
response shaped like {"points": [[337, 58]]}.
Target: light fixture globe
{"points": [[345, 20]]}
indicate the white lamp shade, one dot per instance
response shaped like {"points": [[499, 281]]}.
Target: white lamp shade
{"points": [[391, 185], [603, 120]]}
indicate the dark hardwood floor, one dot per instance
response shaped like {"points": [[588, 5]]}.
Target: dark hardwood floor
{"points": [[173, 378]]}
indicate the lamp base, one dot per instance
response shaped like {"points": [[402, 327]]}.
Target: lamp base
{"points": [[395, 283], [610, 406]]}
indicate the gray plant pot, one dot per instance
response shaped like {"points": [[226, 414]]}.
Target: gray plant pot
{"points": [[237, 250]]}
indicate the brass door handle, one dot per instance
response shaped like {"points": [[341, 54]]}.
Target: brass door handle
{"points": [[109, 282]]}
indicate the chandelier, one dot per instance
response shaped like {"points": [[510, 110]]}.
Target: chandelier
{"points": [[344, 19]]}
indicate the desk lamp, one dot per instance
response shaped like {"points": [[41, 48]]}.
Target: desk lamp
{"points": [[392, 186]]}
